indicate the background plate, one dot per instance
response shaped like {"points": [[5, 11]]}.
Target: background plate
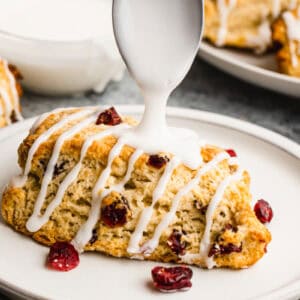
{"points": [[274, 164], [259, 70]]}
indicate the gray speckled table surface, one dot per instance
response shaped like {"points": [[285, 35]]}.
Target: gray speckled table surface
{"points": [[205, 88]]}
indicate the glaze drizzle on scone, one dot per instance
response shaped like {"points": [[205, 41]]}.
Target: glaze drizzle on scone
{"points": [[78, 121]]}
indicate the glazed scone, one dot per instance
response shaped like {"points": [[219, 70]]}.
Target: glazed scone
{"points": [[80, 185], [286, 36], [10, 92], [243, 23]]}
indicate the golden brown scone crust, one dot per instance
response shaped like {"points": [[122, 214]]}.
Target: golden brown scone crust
{"points": [[5, 85], [243, 21], [283, 44], [65, 221]]}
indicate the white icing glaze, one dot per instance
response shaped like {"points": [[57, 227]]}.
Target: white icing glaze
{"points": [[85, 232], [146, 38], [293, 34], [45, 115], [7, 105], [158, 52], [83, 236], [146, 214], [20, 180], [150, 245], [205, 243], [37, 221], [293, 53], [262, 39], [224, 8], [134, 157], [276, 7], [292, 4]]}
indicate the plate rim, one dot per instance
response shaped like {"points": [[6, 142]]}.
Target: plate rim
{"points": [[213, 51], [290, 147]]}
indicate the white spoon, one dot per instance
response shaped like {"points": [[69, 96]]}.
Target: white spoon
{"points": [[158, 40]]}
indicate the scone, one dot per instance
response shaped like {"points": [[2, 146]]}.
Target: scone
{"points": [[286, 36], [80, 184], [10, 91], [243, 23]]}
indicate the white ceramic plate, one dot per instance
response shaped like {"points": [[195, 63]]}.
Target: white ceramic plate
{"points": [[274, 163], [259, 70]]}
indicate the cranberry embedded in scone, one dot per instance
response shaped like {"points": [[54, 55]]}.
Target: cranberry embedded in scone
{"points": [[175, 242], [115, 210], [157, 161], [109, 117]]}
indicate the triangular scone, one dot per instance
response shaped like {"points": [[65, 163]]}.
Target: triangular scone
{"points": [[243, 23], [286, 37], [200, 217]]}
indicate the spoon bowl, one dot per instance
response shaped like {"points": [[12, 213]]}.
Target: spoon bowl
{"points": [[158, 39]]}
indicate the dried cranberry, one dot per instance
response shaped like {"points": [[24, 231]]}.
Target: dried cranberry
{"points": [[62, 257], [231, 152], [175, 243], [263, 211], [109, 117], [157, 161], [231, 248], [116, 213], [172, 279], [224, 249]]}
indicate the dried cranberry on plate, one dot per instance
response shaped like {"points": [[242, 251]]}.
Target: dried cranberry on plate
{"points": [[62, 257], [231, 152], [263, 211], [172, 279]]}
